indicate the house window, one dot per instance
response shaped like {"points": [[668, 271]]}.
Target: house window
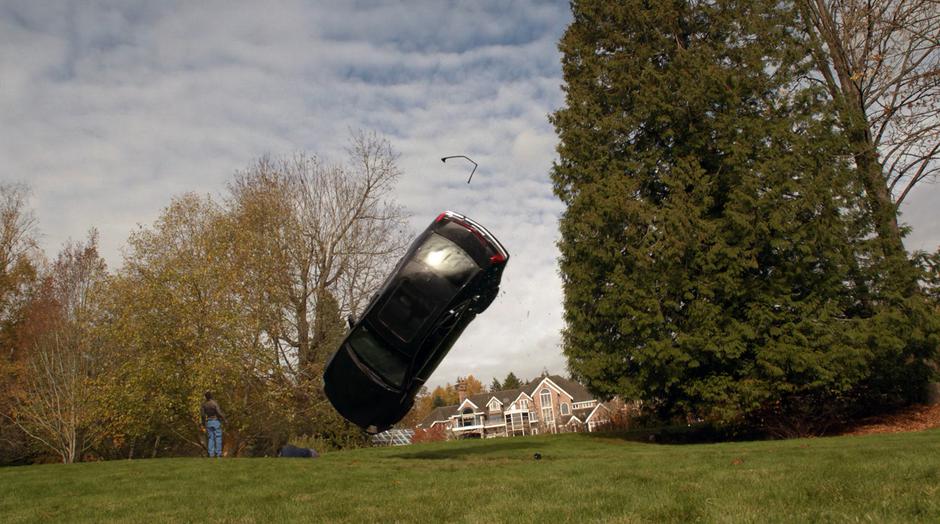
{"points": [[564, 409], [467, 419], [548, 417]]}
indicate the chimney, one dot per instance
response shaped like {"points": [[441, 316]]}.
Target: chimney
{"points": [[461, 390]]}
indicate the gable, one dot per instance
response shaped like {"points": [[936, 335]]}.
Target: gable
{"points": [[547, 382], [467, 402], [522, 395], [595, 410]]}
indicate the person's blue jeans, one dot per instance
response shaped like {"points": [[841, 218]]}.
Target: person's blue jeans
{"points": [[214, 436]]}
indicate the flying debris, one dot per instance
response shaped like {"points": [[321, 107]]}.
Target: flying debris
{"points": [[468, 159], [449, 275]]}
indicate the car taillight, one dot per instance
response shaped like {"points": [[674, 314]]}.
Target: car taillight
{"points": [[440, 217], [497, 259]]}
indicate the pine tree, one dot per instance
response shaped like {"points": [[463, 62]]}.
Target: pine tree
{"points": [[714, 248], [511, 381], [495, 385]]}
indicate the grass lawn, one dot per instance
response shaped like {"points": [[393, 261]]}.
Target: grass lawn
{"points": [[877, 478]]}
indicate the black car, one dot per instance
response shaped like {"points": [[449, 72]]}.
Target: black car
{"points": [[450, 274]]}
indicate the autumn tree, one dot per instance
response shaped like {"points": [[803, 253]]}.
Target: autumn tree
{"points": [[18, 253], [313, 230], [423, 405], [57, 405], [19, 260], [248, 297], [312, 242], [473, 385], [178, 327]]}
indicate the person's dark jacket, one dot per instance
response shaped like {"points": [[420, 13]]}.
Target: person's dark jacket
{"points": [[211, 410]]}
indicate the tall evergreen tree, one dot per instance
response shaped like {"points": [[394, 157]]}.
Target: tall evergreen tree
{"points": [[495, 385], [511, 381], [714, 249]]}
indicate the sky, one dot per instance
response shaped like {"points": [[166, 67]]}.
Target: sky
{"points": [[108, 109]]}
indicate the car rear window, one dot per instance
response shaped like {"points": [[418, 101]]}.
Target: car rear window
{"points": [[418, 295], [446, 259], [383, 360]]}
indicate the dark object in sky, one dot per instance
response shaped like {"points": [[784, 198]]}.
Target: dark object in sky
{"points": [[449, 275], [537, 456], [290, 451], [468, 158]]}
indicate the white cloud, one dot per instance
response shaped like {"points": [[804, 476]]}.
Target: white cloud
{"points": [[109, 108]]}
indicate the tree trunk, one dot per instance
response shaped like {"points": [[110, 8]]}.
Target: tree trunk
{"points": [[883, 210], [303, 334]]}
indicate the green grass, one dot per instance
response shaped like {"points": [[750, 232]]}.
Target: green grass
{"points": [[884, 478]]}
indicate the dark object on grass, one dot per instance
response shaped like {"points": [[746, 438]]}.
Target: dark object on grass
{"points": [[449, 275], [289, 451], [537, 456]]}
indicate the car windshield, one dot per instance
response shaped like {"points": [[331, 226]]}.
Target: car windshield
{"points": [[383, 360]]}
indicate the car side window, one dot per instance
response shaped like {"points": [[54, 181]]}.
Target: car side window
{"points": [[383, 360]]}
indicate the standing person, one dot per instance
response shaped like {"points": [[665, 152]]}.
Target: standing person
{"points": [[212, 419]]}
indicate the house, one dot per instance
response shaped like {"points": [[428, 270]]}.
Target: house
{"points": [[548, 404]]}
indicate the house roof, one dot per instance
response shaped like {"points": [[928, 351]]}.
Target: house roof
{"points": [[437, 415], [578, 392], [582, 413], [596, 409], [506, 396]]}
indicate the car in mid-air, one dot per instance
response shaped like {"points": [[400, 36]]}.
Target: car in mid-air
{"points": [[450, 274]]}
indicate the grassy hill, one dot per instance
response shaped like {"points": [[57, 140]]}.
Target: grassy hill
{"points": [[880, 478]]}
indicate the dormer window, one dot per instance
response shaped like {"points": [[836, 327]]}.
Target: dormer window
{"points": [[494, 405]]}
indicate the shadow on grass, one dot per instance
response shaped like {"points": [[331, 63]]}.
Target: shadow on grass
{"points": [[693, 434], [489, 448]]}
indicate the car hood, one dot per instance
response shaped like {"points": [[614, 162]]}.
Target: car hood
{"points": [[357, 396]]}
